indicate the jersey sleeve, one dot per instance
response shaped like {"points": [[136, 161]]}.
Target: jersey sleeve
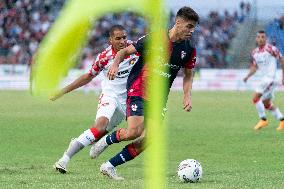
{"points": [[139, 45], [276, 53], [192, 60], [95, 69], [99, 64]]}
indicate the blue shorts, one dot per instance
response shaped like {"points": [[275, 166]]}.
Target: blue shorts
{"points": [[134, 106]]}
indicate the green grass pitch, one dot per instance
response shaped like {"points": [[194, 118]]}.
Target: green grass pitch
{"points": [[218, 133]]}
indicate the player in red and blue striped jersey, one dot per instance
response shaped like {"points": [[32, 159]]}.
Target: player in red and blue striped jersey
{"points": [[182, 55]]}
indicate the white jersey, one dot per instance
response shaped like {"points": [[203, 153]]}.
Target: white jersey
{"points": [[266, 60], [117, 87]]}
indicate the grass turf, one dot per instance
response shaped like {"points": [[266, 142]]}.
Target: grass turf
{"points": [[218, 133]]}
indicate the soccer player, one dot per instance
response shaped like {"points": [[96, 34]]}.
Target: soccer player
{"points": [[182, 55], [112, 101], [264, 59]]}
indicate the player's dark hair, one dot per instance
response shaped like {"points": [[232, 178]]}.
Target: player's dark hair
{"points": [[261, 31], [188, 13], [114, 28]]}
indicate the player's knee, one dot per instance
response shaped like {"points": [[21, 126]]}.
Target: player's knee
{"points": [[268, 106], [255, 99], [101, 124]]}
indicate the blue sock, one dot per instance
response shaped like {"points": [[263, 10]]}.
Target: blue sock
{"points": [[110, 139], [123, 156]]}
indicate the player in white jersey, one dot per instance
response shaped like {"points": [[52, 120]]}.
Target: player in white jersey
{"points": [[112, 102], [264, 59]]}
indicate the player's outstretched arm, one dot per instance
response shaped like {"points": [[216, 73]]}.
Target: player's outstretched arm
{"points": [[282, 65], [79, 82], [118, 59], [187, 86], [252, 71]]}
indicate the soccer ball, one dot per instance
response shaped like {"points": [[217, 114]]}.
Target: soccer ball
{"points": [[189, 170]]}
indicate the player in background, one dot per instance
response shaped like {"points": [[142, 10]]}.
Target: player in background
{"points": [[182, 55], [112, 101], [264, 59]]}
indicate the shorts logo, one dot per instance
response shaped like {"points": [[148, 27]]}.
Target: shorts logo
{"points": [[134, 107]]}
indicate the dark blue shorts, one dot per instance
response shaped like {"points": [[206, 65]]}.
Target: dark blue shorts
{"points": [[134, 106]]}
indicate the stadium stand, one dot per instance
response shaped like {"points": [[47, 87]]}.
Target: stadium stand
{"points": [[24, 24], [275, 32]]}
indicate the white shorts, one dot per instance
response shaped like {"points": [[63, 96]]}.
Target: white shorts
{"points": [[111, 108], [266, 88]]}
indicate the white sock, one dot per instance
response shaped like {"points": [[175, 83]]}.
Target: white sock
{"points": [[108, 164], [65, 158], [86, 138], [260, 109], [276, 113]]}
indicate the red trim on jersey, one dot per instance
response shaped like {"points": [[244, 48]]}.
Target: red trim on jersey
{"points": [[100, 62], [113, 52], [138, 86], [90, 73], [268, 48], [191, 62], [132, 151], [97, 134]]}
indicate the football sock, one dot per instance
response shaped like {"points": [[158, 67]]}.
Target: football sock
{"points": [[113, 137], [74, 147], [89, 136], [65, 158], [260, 109], [277, 114], [128, 153]]}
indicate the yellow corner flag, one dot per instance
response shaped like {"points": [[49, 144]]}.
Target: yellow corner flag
{"points": [[62, 46]]}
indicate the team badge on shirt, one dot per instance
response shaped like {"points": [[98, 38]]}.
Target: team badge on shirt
{"points": [[132, 61], [183, 54]]}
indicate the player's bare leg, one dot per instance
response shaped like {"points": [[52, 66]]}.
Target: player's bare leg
{"points": [[261, 111], [128, 153], [88, 137], [275, 112], [133, 131]]}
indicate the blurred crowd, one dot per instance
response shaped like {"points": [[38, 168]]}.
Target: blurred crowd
{"points": [[23, 25], [25, 22], [275, 33], [213, 38]]}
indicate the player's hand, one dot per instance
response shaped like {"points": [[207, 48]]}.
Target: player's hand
{"points": [[187, 103], [245, 79], [112, 72], [56, 96]]}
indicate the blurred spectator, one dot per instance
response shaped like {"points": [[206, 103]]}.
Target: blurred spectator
{"points": [[275, 33], [212, 39], [245, 9]]}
